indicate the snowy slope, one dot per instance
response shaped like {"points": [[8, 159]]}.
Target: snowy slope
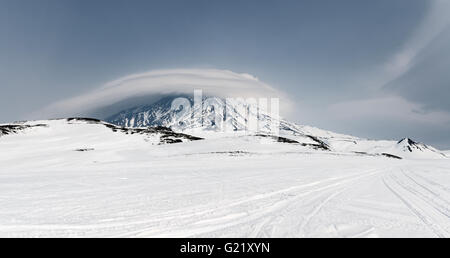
{"points": [[160, 114], [84, 134], [85, 178]]}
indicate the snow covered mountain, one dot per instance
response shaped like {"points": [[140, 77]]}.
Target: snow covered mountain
{"points": [[232, 114], [155, 173], [157, 114], [82, 177], [205, 125], [420, 149]]}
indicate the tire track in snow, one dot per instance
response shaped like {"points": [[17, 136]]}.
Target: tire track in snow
{"points": [[283, 199], [316, 210], [442, 189], [266, 206], [269, 223], [442, 208], [411, 203]]}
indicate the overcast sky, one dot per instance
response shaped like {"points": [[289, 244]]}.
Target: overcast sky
{"points": [[376, 69]]}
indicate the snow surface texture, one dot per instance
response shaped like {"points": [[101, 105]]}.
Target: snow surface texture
{"points": [[82, 178]]}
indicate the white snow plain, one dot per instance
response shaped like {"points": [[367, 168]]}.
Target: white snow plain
{"points": [[234, 186]]}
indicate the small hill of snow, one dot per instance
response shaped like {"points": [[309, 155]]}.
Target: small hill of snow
{"points": [[87, 132]]}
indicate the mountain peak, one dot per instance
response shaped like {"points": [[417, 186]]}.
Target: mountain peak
{"points": [[407, 141], [181, 112]]}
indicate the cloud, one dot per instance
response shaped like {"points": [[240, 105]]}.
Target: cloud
{"points": [[388, 108], [390, 117], [419, 72], [434, 23], [213, 82]]}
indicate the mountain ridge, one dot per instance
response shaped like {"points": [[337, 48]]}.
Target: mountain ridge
{"points": [[161, 114]]}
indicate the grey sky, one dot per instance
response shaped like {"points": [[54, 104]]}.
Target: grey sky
{"points": [[376, 69]]}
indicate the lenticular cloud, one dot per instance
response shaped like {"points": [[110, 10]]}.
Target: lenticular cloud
{"points": [[213, 82]]}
